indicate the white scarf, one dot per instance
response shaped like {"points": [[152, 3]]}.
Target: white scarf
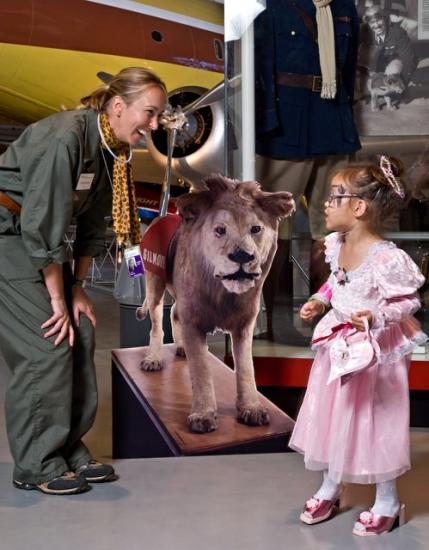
{"points": [[326, 40]]}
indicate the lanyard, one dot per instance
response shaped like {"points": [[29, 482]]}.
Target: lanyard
{"points": [[107, 168]]}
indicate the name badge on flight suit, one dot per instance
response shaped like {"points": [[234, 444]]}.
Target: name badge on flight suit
{"points": [[85, 181], [134, 261]]}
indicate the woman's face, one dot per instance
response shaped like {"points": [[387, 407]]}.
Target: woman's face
{"points": [[131, 122]]}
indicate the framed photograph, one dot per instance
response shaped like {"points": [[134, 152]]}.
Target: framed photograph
{"points": [[392, 79]]}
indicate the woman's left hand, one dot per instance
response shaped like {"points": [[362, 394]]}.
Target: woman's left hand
{"points": [[358, 319], [81, 303]]}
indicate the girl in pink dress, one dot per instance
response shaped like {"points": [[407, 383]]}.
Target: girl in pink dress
{"points": [[354, 426]]}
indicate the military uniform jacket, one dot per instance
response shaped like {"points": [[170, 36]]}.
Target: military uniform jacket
{"points": [[295, 122], [41, 171]]}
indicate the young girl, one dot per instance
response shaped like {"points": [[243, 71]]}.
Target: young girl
{"points": [[355, 428]]}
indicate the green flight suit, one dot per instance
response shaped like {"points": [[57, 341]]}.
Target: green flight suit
{"points": [[51, 398]]}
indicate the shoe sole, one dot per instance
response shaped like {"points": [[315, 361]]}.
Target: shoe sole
{"points": [[101, 479], [313, 521], [369, 533], [31, 487]]}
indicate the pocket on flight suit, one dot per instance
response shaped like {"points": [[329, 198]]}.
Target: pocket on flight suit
{"points": [[15, 264], [24, 294]]}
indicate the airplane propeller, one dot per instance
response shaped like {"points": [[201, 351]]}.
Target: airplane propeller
{"points": [[174, 120]]}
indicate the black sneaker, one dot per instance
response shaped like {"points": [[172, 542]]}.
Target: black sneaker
{"points": [[67, 484], [97, 472]]}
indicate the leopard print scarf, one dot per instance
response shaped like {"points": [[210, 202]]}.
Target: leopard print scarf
{"points": [[126, 222]]}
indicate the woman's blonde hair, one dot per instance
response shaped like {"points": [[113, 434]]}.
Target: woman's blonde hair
{"points": [[129, 84]]}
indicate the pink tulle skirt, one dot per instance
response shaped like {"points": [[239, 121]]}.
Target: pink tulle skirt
{"points": [[359, 430]]}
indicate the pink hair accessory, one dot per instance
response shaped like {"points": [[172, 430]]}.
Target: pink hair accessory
{"points": [[386, 168]]}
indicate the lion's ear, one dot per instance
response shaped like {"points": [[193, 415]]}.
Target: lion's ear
{"points": [[191, 205], [279, 205], [217, 184]]}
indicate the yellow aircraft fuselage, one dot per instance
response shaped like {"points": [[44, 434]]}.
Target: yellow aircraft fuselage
{"points": [[51, 50]]}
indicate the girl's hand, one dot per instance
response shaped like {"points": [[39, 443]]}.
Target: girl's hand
{"points": [[358, 317], [59, 322], [81, 303], [311, 309]]}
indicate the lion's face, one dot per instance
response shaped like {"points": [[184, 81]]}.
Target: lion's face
{"points": [[231, 230], [236, 246]]}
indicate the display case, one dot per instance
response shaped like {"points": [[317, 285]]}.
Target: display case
{"points": [[397, 125]]}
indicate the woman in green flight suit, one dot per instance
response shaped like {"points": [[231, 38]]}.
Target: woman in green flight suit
{"points": [[62, 167]]}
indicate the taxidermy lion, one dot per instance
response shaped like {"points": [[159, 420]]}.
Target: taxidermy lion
{"points": [[221, 252]]}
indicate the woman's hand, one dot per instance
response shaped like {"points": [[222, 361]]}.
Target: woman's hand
{"points": [[358, 319], [311, 309], [81, 303], [59, 322]]}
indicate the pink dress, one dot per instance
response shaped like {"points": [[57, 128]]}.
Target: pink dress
{"points": [[359, 430]]}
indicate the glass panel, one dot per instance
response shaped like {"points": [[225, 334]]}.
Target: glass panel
{"points": [[299, 267]]}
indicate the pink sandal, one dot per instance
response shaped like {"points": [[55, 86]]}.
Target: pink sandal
{"points": [[370, 524], [317, 510]]}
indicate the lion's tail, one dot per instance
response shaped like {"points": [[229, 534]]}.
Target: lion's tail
{"points": [[141, 312]]}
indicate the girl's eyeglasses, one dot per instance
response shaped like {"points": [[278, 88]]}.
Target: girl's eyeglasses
{"points": [[335, 200]]}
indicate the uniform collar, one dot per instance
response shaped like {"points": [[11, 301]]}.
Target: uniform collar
{"points": [[92, 137]]}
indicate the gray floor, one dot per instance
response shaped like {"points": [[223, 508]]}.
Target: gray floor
{"points": [[247, 502]]}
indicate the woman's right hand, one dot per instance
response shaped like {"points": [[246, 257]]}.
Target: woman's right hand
{"points": [[311, 309], [59, 323]]}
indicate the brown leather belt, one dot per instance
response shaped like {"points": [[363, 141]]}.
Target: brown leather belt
{"points": [[10, 204], [309, 81]]}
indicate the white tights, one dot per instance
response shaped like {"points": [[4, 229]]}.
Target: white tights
{"points": [[329, 489], [386, 499]]}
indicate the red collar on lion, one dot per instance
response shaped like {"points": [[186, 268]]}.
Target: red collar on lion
{"points": [[155, 243]]}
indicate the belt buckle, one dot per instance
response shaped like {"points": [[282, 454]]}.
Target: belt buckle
{"points": [[317, 84]]}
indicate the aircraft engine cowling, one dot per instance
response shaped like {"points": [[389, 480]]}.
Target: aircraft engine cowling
{"points": [[199, 148]]}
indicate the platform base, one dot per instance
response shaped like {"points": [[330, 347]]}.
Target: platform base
{"points": [[150, 411]]}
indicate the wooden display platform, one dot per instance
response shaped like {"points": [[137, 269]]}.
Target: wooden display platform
{"points": [[150, 411]]}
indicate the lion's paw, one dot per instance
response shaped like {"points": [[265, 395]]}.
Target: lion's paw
{"points": [[202, 423], [180, 351], [253, 416], [151, 364]]}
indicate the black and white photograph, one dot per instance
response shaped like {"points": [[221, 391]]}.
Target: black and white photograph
{"points": [[392, 90]]}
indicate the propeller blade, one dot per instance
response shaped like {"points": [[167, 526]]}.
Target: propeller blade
{"points": [[105, 77], [211, 96]]}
